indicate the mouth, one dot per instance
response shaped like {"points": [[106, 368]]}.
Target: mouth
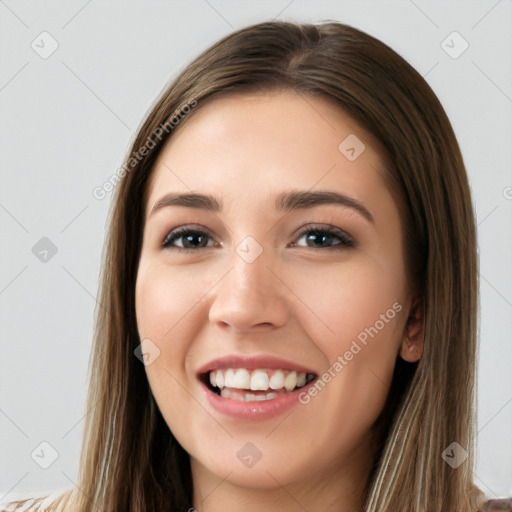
{"points": [[248, 385]]}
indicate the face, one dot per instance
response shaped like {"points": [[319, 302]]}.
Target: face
{"points": [[263, 295]]}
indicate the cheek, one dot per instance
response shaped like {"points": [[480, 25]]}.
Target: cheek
{"points": [[342, 302], [357, 325], [165, 314], [164, 298]]}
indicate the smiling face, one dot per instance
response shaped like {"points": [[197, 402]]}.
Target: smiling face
{"points": [[260, 280]]}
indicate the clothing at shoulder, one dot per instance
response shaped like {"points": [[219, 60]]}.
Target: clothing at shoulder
{"points": [[502, 505], [24, 505], [38, 504]]}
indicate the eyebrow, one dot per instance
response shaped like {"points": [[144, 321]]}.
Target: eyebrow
{"points": [[285, 202]]}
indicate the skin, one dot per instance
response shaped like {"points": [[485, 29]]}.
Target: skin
{"points": [[303, 300]]}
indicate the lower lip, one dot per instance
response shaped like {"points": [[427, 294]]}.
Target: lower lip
{"points": [[255, 409]]}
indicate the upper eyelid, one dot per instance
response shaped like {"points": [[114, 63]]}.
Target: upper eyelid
{"points": [[180, 230]]}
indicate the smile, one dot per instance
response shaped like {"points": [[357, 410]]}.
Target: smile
{"points": [[254, 385]]}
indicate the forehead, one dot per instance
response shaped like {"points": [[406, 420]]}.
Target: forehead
{"points": [[266, 142]]}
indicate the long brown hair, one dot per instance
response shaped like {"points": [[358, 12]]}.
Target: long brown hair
{"points": [[130, 459]]}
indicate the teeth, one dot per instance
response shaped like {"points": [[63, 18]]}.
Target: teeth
{"points": [[248, 397], [229, 378], [258, 380], [277, 380], [291, 381], [242, 379], [219, 379]]}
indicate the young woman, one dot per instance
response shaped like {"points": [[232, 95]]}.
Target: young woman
{"points": [[289, 291]]}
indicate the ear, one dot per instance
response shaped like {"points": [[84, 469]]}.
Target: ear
{"points": [[411, 348]]}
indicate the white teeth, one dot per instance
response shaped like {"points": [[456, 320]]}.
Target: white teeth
{"points": [[248, 397], [242, 379], [219, 379], [259, 380], [277, 380], [301, 379], [290, 381], [268, 396], [229, 378]]}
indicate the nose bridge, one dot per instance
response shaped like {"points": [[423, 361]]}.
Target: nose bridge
{"points": [[249, 294], [250, 277], [250, 268]]}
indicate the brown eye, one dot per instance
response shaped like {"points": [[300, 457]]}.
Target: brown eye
{"points": [[322, 236], [192, 239]]}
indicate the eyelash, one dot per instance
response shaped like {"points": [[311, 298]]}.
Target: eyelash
{"points": [[346, 241]]}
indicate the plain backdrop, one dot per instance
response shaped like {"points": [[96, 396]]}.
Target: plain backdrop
{"points": [[66, 120]]}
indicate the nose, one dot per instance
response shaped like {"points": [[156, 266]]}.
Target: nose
{"points": [[252, 295]]}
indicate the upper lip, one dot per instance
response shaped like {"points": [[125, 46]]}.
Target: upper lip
{"points": [[252, 363]]}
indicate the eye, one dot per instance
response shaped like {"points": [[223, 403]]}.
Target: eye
{"points": [[325, 235], [192, 239]]}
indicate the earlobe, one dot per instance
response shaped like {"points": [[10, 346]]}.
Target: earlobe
{"points": [[411, 349], [410, 352]]}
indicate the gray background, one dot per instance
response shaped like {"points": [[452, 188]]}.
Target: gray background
{"points": [[66, 122]]}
